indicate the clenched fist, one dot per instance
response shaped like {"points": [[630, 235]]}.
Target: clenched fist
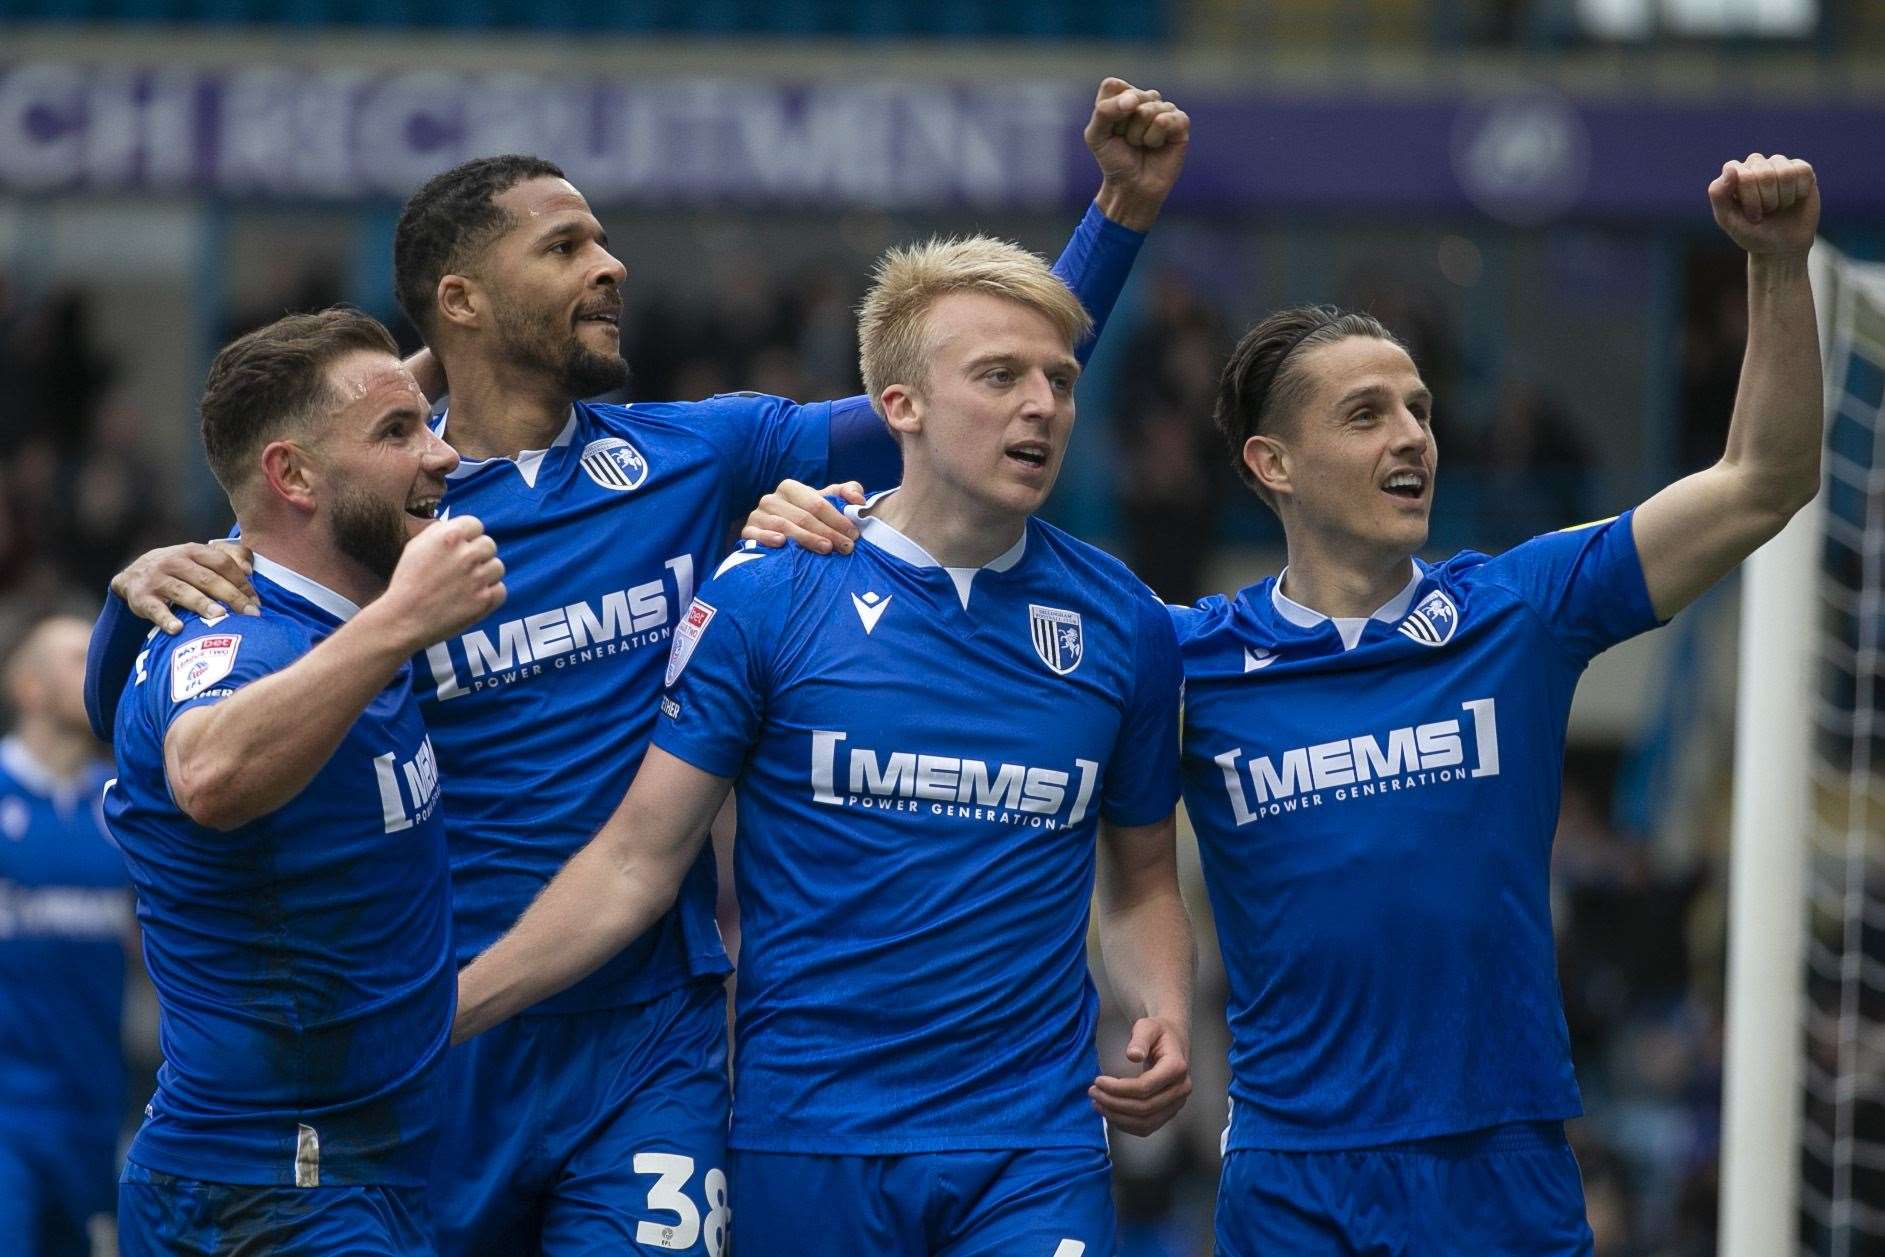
{"points": [[449, 577], [1767, 205], [1139, 140]]}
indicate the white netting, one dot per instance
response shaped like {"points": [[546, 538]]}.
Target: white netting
{"points": [[1842, 1162]]}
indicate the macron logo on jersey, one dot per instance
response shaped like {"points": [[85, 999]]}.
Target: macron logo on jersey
{"points": [[949, 785], [870, 609], [578, 632], [1362, 766]]}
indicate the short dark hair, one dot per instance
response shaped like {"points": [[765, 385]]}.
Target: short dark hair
{"points": [[1264, 377], [275, 378], [449, 221]]}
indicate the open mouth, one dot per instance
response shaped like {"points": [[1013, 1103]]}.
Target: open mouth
{"points": [[1031, 454], [1409, 486], [611, 317], [425, 508]]}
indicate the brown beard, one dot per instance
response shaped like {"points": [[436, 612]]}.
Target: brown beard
{"points": [[369, 531]]}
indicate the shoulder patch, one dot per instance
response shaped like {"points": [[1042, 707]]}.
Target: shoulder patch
{"points": [[686, 637], [200, 664]]}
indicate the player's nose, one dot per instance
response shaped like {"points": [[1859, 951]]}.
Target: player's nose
{"points": [[609, 270], [440, 458], [1410, 434], [1037, 395]]}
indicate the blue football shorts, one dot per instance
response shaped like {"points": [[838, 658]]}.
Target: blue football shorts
{"points": [[589, 1132], [1044, 1202], [161, 1215], [1504, 1192]]}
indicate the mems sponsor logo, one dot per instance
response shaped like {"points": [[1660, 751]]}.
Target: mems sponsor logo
{"points": [[78, 913], [622, 620], [949, 785], [420, 776], [1363, 766]]}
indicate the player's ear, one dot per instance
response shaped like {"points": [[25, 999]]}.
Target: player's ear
{"points": [[1268, 462], [458, 300], [290, 474], [902, 409]]}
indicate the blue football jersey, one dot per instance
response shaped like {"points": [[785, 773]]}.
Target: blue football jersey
{"points": [[541, 711], [302, 961], [65, 918], [1375, 801], [922, 755]]}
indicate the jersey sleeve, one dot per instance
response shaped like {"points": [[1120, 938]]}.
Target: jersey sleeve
{"points": [[1095, 265], [1141, 784], [718, 673], [117, 637], [766, 439], [1585, 583], [206, 663], [862, 448]]}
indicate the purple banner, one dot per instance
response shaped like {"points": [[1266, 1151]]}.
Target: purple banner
{"points": [[1524, 158], [278, 131]]}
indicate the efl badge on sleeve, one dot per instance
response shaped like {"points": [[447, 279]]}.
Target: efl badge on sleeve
{"points": [[1057, 638], [1433, 621], [686, 637], [614, 464], [200, 664]]}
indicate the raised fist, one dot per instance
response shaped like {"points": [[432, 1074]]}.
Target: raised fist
{"points": [[449, 577], [1767, 205], [1139, 139]]}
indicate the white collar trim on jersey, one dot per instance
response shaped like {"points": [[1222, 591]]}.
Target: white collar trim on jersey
{"points": [[29, 772], [888, 539], [1349, 627], [341, 608], [529, 462]]}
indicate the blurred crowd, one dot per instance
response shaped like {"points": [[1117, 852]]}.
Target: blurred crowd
{"points": [[1639, 921], [73, 498]]}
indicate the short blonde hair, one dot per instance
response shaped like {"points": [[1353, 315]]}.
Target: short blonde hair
{"points": [[892, 321]]}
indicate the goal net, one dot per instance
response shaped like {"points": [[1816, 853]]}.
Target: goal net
{"points": [[1803, 1159], [1842, 1123]]}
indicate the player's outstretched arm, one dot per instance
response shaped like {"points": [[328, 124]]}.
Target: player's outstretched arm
{"points": [[1151, 960], [609, 894], [243, 757], [1698, 529]]}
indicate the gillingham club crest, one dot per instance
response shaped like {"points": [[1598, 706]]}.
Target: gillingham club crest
{"points": [[1433, 621], [1057, 638], [614, 464]]}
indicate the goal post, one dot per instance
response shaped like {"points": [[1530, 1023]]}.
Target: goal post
{"points": [[1805, 987]]}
